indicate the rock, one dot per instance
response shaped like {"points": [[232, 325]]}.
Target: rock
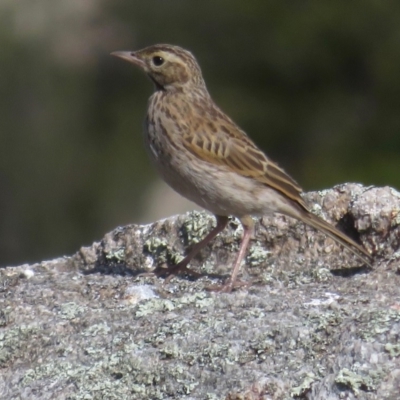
{"points": [[312, 324]]}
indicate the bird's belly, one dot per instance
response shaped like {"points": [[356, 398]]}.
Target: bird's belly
{"points": [[226, 193], [214, 188]]}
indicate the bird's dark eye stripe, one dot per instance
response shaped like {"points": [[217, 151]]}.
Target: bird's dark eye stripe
{"points": [[157, 60]]}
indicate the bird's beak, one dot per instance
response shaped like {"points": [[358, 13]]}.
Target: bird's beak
{"points": [[130, 57]]}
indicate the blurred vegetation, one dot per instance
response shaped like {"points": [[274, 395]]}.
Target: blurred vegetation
{"points": [[316, 84]]}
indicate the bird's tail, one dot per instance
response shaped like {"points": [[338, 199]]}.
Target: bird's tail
{"points": [[341, 238]]}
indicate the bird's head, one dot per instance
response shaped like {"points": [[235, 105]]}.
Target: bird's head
{"points": [[169, 67]]}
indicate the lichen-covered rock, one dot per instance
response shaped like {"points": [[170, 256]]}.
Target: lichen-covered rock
{"points": [[313, 323]]}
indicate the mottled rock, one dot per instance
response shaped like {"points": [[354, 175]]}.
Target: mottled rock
{"points": [[314, 323]]}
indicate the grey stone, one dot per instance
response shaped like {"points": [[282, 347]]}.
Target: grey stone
{"points": [[313, 323]]}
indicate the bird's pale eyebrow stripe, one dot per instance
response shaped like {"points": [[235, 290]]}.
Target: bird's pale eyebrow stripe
{"points": [[178, 53]]}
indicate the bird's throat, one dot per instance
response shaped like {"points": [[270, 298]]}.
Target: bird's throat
{"points": [[156, 84]]}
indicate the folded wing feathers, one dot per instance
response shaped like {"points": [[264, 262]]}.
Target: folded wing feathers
{"points": [[246, 160]]}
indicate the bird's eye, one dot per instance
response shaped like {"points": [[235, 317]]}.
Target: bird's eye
{"points": [[157, 61]]}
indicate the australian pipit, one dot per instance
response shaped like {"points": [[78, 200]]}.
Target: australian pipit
{"points": [[203, 155]]}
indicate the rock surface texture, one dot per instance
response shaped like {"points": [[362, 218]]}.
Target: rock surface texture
{"points": [[313, 323]]}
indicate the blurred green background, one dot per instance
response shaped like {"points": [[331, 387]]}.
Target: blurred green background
{"points": [[315, 84]]}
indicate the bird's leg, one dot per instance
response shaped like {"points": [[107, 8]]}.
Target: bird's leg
{"points": [[182, 266], [248, 227]]}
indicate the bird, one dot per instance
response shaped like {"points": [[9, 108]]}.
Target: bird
{"points": [[204, 156]]}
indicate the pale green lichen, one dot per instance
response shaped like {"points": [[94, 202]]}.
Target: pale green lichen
{"points": [[161, 251], [155, 245], [96, 330], [322, 274], [117, 255], [329, 319], [354, 381], [305, 386], [237, 234], [208, 267], [71, 310], [393, 349], [196, 227], [170, 351], [257, 255], [82, 375], [199, 300], [378, 322], [316, 208], [189, 387], [13, 341]]}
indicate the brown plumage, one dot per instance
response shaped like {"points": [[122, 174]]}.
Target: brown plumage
{"points": [[202, 154]]}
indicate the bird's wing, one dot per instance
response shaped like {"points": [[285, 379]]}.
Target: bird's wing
{"points": [[238, 153]]}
